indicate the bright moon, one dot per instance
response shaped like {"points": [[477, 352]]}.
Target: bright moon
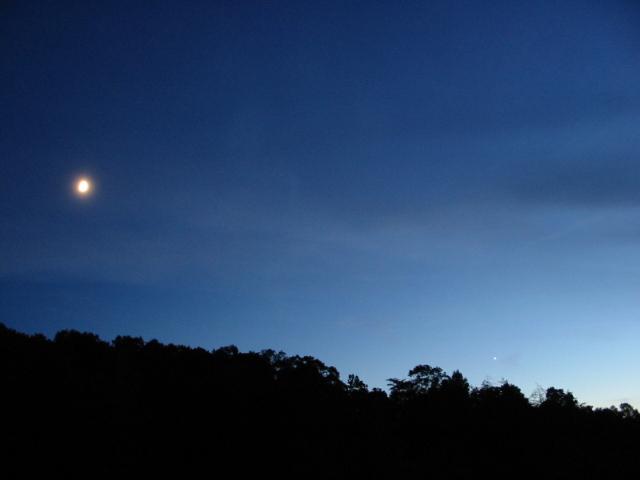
{"points": [[83, 186]]}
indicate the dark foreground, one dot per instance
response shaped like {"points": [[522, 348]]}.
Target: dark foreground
{"points": [[81, 405]]}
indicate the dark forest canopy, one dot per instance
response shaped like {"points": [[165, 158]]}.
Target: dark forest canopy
{"points": [[77, 402]]}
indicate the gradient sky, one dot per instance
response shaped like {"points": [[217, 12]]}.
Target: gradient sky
{"points": [[377, 184]]}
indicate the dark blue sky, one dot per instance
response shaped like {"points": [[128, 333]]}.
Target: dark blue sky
{"points": [[378, 184]]}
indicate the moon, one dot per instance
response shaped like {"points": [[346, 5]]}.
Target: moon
{"points": [[83, 186]]}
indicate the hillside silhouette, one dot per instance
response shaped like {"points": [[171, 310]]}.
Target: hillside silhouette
{"points": [[78, 404]]}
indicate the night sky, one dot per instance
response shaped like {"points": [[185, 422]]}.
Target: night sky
{"points": [[377, 184]]}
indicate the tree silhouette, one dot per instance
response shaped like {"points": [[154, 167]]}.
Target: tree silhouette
{"points": [[355, 385], [628, 412], [423, 379], [558, 398], [133, 407]]}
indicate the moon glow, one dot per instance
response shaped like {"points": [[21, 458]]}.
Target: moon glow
{"points": [[83, 186]]}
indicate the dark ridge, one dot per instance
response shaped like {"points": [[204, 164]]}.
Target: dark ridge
{"points": [[77, 404]]}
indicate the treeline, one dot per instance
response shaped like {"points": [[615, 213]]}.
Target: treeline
{"points": [[77, 404]]}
